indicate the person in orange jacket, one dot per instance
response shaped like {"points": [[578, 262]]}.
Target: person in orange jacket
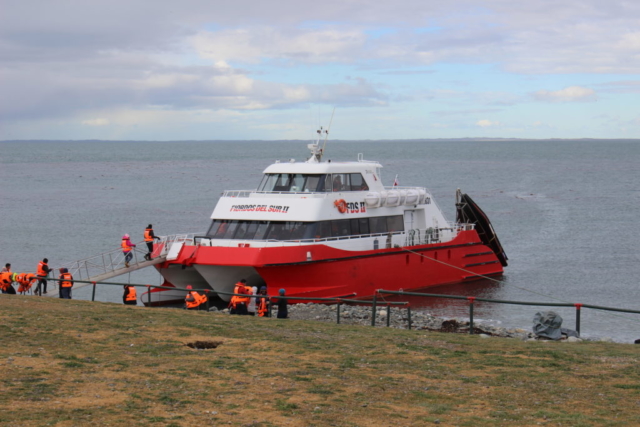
{"points": [[238, 303], [42, 271], [6, 279], [263, 302], [130, 297], [127, 246], [148, 239], [25, 281], [194, 301], [65, 283]]}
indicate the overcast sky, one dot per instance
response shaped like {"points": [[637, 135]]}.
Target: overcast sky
{"points": [[256, 69]]}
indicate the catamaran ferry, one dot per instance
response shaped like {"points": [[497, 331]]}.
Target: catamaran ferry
{"points": [[330, 229]]}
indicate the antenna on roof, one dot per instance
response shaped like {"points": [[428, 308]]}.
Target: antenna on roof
{"points": [[326, 132], [316, 151]]}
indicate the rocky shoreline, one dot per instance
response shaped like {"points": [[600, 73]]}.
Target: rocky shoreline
{"points": [[361, 315]]}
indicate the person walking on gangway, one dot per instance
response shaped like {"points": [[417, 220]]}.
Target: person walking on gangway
{"points": [[127, 246], [148, 239]]}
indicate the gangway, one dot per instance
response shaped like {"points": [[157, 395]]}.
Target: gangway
{"points": [[111, 264]]}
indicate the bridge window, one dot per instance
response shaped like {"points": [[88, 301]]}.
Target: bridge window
{"points": [[283, 182]]}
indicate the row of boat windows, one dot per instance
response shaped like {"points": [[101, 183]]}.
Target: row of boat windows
{"points": [[296, 230], [297, 182]]}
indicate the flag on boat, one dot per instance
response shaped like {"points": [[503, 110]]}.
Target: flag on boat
{"points": [[395, 182]]}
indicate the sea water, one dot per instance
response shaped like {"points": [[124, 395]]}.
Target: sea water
{"points": [[565, 210]]}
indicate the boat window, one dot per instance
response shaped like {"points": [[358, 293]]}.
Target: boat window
{"points": [[378, 224], [395, 223], [358, 183], [292, 182], [341, 182], [297, 230], [263, 226], [364, 225], [341, 228]]}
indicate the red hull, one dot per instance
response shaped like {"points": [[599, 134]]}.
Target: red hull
{"points": [[321, 271]]}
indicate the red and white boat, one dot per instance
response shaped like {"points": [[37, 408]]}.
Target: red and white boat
{"points": [[330, 229]]}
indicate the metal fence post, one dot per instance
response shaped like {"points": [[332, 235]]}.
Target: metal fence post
{"points": [[471, 299], [409, 315], [388, 315], [93, 293], [206, 293], [578, 307], [338, 312], [373, 309], [149, 295]]}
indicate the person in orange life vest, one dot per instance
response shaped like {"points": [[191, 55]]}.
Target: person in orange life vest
{"points": [[193, 300], [238, 303], [263, 303], [127, 246], [25, 281], [42, 271], [148, 238], [130, 297], [65, 283], [6, 278], [6, 268]]}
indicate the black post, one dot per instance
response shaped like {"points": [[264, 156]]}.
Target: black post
{"points": [[409, 315], [578, 307], [373, 310], [149, 295], [388, 315], [471, 314], [206, 293], [338, 312], [93, 292]]}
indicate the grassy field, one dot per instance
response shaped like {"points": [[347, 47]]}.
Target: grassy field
{"points": [[70, 363]]}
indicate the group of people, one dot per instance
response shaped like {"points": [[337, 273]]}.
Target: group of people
{"points": [[247, 300], [127, 246], [26, 280]]}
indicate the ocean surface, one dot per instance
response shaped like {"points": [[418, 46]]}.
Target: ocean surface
{"points": [[566, 211]]}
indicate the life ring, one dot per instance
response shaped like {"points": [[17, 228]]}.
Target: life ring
{"points": [[341, 205]]}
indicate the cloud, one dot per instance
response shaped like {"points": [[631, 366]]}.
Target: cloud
{"points": [[568, 94], [96, 122], [486, 123]]}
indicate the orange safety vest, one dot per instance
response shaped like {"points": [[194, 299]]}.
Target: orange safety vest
{"points": [[125, 246], [262, 307], [147, 235], [197, 300], [131, 296], [5, 280], [67, 280], [41, 269]]}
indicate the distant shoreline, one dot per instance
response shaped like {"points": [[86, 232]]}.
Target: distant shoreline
{"points": [[333, 141]]}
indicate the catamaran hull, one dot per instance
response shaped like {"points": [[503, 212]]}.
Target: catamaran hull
{"points": [[321, 271]]}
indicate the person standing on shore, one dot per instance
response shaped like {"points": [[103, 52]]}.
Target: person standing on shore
{"points": [[8, 289], [42, 272], [148, 238], [6, 268], [5, 282], [130, 297], [283, 310], [65, 283], [263, 302], [127, 246]]}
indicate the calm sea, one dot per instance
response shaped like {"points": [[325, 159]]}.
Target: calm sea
{"points": [[565, 211]]}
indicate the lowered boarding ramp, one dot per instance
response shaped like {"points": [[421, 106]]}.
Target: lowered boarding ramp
{"points": [[110, 264]]}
